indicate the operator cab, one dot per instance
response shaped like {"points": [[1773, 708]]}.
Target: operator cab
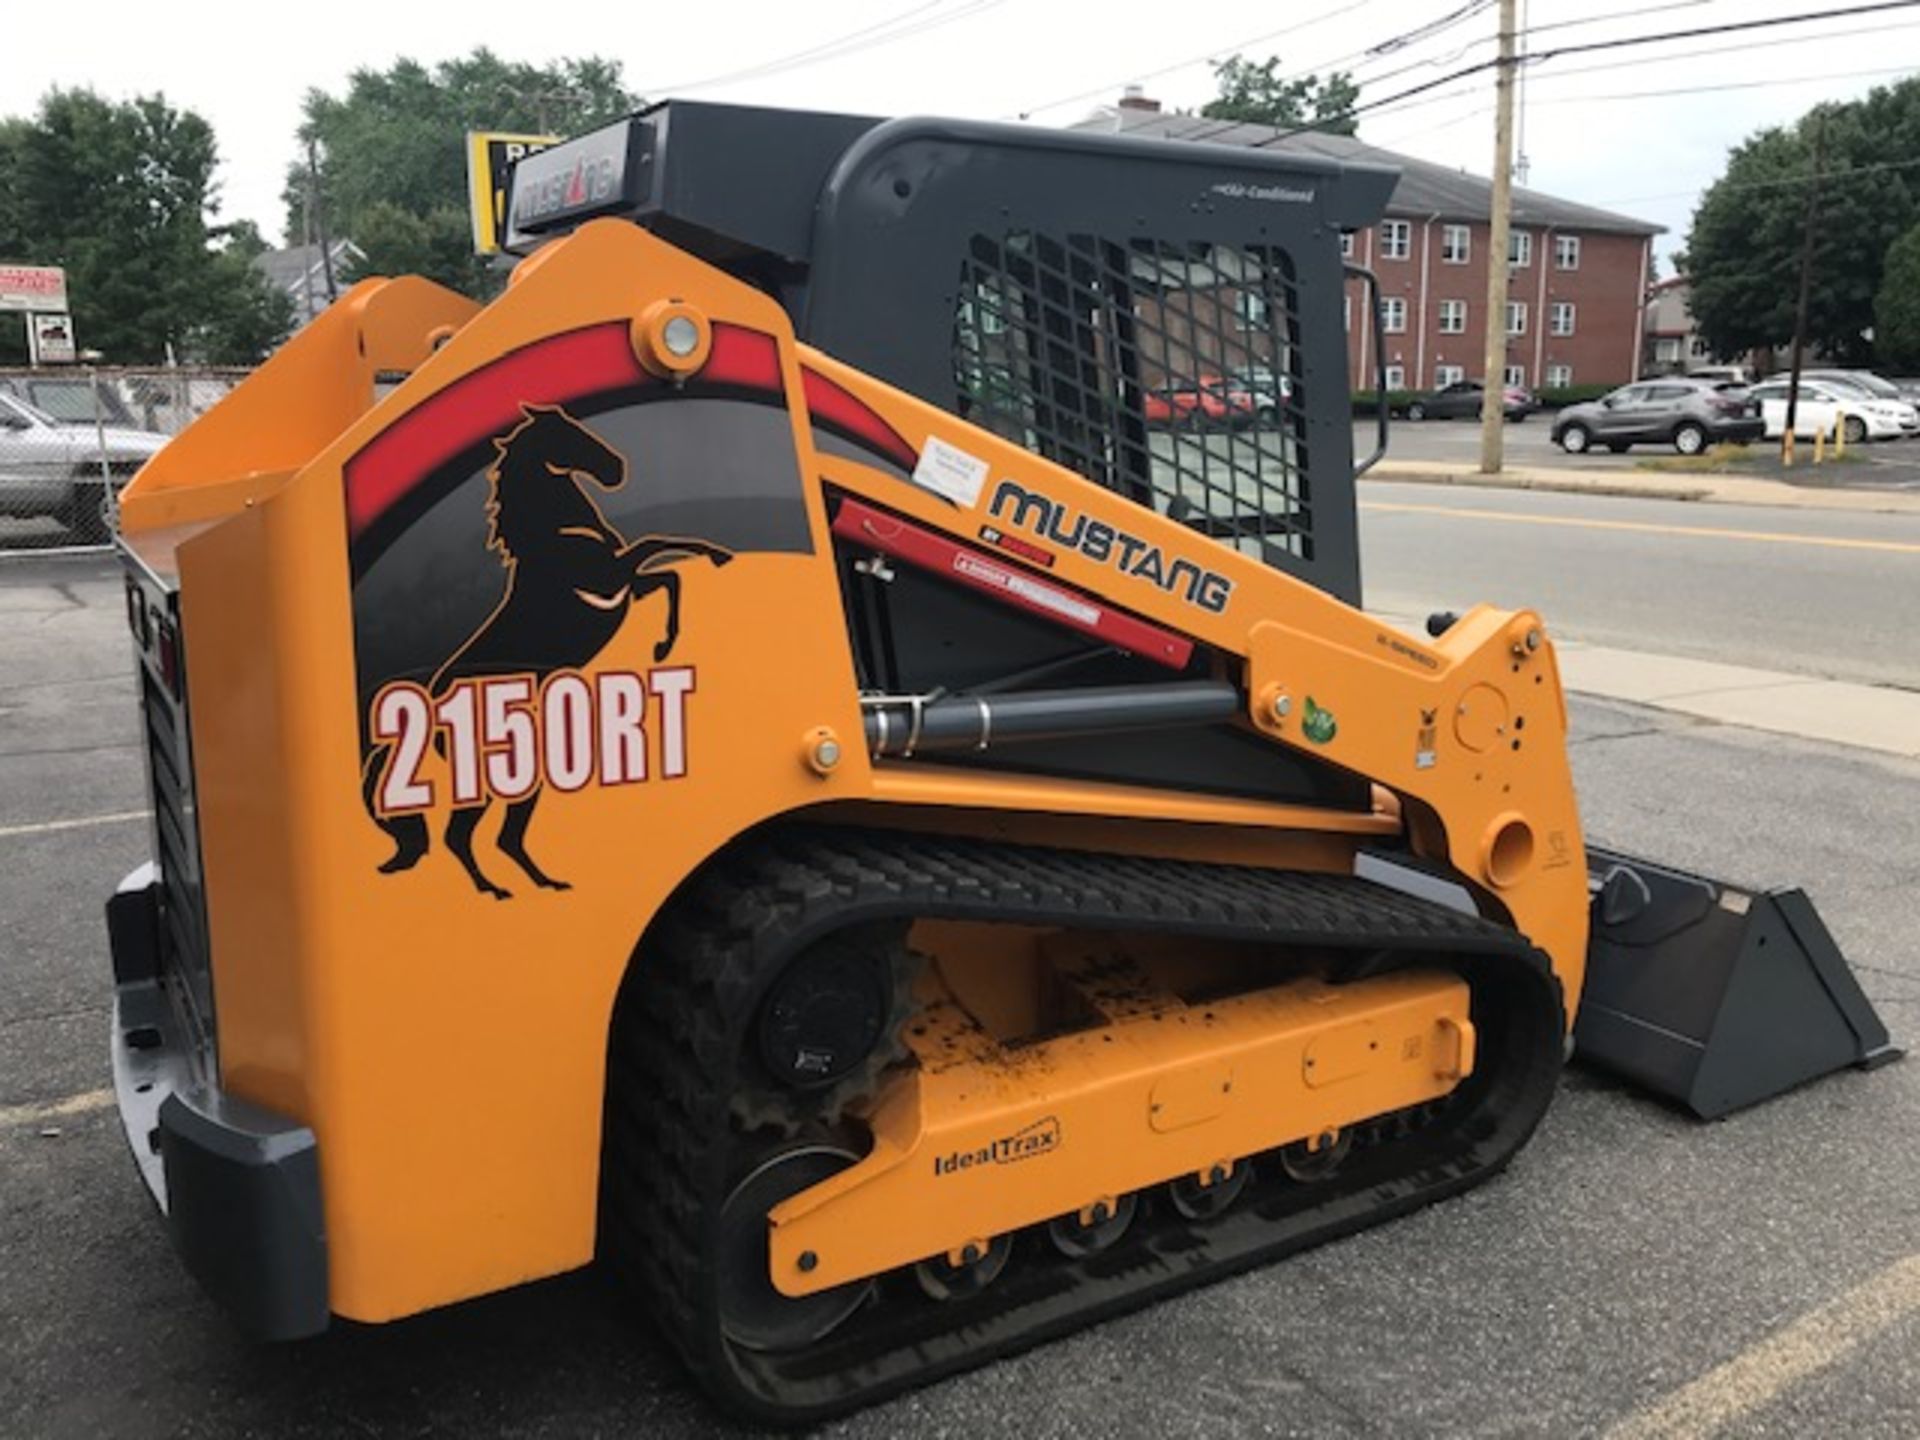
{"points": [[1165, 318]]}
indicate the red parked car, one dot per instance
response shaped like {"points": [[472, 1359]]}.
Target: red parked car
{"points": [[1209, 398]]}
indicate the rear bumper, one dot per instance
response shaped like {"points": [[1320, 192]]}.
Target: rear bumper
{"points": [[239, 1185]]}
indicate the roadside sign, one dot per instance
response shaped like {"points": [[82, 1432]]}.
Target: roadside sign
{"points": [[50, 339], [33, 287], [490, 157]]}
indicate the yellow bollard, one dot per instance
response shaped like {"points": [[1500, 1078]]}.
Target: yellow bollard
{"points": [[1786, 448], [1839, 437], [1819, 445]]}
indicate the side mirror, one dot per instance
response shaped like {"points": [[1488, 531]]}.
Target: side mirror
{"points": [[11, 421]]}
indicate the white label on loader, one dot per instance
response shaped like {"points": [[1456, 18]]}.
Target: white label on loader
{"points": [[951, 472]]}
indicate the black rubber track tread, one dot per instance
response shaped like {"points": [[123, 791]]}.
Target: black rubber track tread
{"points": [[672, 1133]]}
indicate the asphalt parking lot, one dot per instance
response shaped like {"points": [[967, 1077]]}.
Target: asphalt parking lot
{"points": [[1635, 1272]]}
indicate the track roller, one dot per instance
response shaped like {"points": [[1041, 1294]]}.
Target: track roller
{"points": [[1308, 1162], [1201, 1197], [1089, 1231], [977, 1265]]}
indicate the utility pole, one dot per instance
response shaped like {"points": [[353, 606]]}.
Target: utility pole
{"points": [[320, 220], [1806, 284], [1493, 399]]}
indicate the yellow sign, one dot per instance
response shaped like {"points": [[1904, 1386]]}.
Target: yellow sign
{"points": [[490, 157]]}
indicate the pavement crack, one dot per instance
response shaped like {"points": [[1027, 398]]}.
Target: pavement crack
{"points": [[1620, 735]]}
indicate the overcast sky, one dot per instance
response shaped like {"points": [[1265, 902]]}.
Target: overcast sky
{"points": [[1052, 60]]}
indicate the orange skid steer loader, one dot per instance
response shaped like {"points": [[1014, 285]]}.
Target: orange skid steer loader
{"points": [[753, 756]]}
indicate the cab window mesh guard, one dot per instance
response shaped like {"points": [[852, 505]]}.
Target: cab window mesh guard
{"points": [[1166, 371]]}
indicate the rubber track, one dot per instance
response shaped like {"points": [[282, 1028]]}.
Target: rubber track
{"points": [[673, 1150]]}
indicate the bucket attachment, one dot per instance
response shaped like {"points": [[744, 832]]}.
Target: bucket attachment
{"points": [[1713, 996]]}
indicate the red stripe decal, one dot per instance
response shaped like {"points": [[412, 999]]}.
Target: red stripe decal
{"points": [[742, 357], [558, 370], [980, 571], [485, 403], [832, 403]]}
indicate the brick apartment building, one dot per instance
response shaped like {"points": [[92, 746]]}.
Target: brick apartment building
{"points": [[1577, 285]]}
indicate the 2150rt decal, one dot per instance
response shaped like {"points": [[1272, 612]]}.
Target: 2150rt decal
{"points": [[517, 707]]}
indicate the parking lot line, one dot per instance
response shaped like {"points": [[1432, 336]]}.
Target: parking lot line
{"points": [[84, 1103], [1708, 532], [82, 822], [1815, 1342]]}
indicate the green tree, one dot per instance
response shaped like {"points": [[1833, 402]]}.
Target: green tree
{"points": [[245, 318], [391, 153], [1256, 94], [1745, 242], [120, 194], [1896, 309]]}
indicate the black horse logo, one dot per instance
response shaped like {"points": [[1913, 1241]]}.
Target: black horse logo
{"points": [[571, 578]]}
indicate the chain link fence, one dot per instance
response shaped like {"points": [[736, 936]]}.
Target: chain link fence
{"points": [[71, 437]]}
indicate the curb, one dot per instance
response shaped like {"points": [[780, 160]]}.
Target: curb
{"points": [[1558, 487], [1713, 488]]}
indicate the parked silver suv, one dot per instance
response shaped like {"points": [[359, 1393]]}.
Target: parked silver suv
{"points": [[1685, 413], [51, 469]]}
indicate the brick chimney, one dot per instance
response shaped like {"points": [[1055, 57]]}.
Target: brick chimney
{"points": [[1135, 98]]}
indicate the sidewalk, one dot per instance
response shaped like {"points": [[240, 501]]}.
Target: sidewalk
{"points": [[1707, 487], [1841, 712]]}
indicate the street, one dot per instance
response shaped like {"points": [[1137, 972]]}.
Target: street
{"points": [[1633, 1271], [1814, 592]]}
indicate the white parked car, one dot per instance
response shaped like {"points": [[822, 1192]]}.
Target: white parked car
{"points": [[1860, 415], [51, 469]]}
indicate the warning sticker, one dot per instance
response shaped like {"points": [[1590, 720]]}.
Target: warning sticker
{"points": [[950, 472]]}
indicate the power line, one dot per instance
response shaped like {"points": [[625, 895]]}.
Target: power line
{"points": [[1667, 59], [1605, 16], [1430, 29], [1524, 31], [1733, 85], [881, 32], [1623, 42], [1847, 172], [1205, 55]]}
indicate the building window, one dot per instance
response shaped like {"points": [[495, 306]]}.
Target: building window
{"points": [[1250, 310], [1514, 375], [1566, 252], [1393, 315], [1396, 239], [1559, 376], [1445, 375], [1560, 318], [1346, 244], [1396, 377], [1453, 317], [1700, 351], [1519, 248], [1516, 317], [1456, 244]]}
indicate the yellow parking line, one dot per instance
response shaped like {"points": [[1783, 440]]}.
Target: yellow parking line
{"points": [[1815, 1342], [44, 827], [1706, 532], [84, 1103]]}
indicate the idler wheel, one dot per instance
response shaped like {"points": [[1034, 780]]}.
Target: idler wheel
{"points": [[753, 1314]]}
